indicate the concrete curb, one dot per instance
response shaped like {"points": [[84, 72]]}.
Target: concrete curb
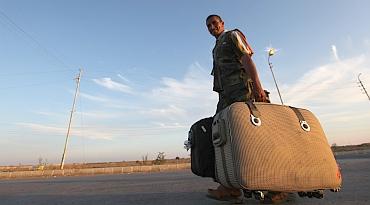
{"points": [[93, 171]]}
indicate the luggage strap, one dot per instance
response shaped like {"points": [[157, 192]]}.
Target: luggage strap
{"points": [[304, 125], [255, 114], [297, 113], [253, 109]]}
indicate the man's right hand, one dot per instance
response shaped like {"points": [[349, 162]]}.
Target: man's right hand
{"points": [[260, 95]]}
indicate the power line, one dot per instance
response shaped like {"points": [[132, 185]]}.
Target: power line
{"points": [[362, 86], [32, 85], [34, 72], [29, 36]]}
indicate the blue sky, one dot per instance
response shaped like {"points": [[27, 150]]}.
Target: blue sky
{"points": [[146, 68]]}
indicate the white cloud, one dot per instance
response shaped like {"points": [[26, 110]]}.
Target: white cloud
{"points": [[171, 125], [345, 116], [48, 114], [99, 115], [94, 98], [171, 111], [179, 101], [123, 78], [335, 52], [43, 128], [110, 103], [331, 92], [56, 130], [196, 85], [112, 85], [328, 83], [189, 99]]}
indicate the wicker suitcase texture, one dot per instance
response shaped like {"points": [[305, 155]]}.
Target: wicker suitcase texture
{"points": [[272, 147]]}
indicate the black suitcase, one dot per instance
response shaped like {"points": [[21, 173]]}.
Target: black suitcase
{"points": [[202, 150]]}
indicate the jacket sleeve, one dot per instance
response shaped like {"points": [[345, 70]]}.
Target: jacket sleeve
{"points": [[241, 42]]}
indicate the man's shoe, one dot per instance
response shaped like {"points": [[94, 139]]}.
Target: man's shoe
{"points": [[224, 194]]}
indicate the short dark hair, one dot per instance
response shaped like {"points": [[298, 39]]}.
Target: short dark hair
{"points": [[214, 15]]}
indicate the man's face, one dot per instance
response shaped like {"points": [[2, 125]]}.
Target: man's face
{"points": [[215, 26]]}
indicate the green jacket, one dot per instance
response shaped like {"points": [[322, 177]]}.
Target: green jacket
{"points": [[228, 71]]}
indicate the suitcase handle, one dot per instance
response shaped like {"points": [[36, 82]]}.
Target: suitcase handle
{"points": [[253, 109], [255, 114], [304, 125], [219, 137]]}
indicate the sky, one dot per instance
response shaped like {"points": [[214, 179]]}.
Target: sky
{"points": [[146, 72]]}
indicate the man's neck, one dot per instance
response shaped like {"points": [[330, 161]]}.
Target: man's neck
{"points": [[217, 37]]}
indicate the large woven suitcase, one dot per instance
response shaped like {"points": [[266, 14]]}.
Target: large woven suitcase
{"points": [[263, 146], [202, 152]]}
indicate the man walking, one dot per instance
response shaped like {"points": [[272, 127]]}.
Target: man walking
{"points": [[235, 79]]}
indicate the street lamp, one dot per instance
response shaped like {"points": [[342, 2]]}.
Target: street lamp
{"points": [[271, 52]]}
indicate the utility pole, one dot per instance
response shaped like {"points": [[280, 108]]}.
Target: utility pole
{"points": [[362, 86], [78, 79], [271, 52]]}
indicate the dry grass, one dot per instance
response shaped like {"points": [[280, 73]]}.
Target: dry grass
{"points": [[92, 165], [347, 148]]}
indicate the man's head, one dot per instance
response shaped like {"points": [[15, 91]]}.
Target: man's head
{"points": [[215, 25]]}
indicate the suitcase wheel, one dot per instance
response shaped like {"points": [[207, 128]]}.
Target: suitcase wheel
{"points": [[335, 189], [302, 194], [259, 195], [247, 193], [317, 194]]}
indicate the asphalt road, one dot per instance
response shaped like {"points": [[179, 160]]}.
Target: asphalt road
{"points": [[181, 187]]}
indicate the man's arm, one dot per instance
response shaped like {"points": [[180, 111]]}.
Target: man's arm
{"points": [[250, 69], [241, 42], [248, 65]]}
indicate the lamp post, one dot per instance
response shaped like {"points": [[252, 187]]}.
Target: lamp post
{"points": [[271, 52]]}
